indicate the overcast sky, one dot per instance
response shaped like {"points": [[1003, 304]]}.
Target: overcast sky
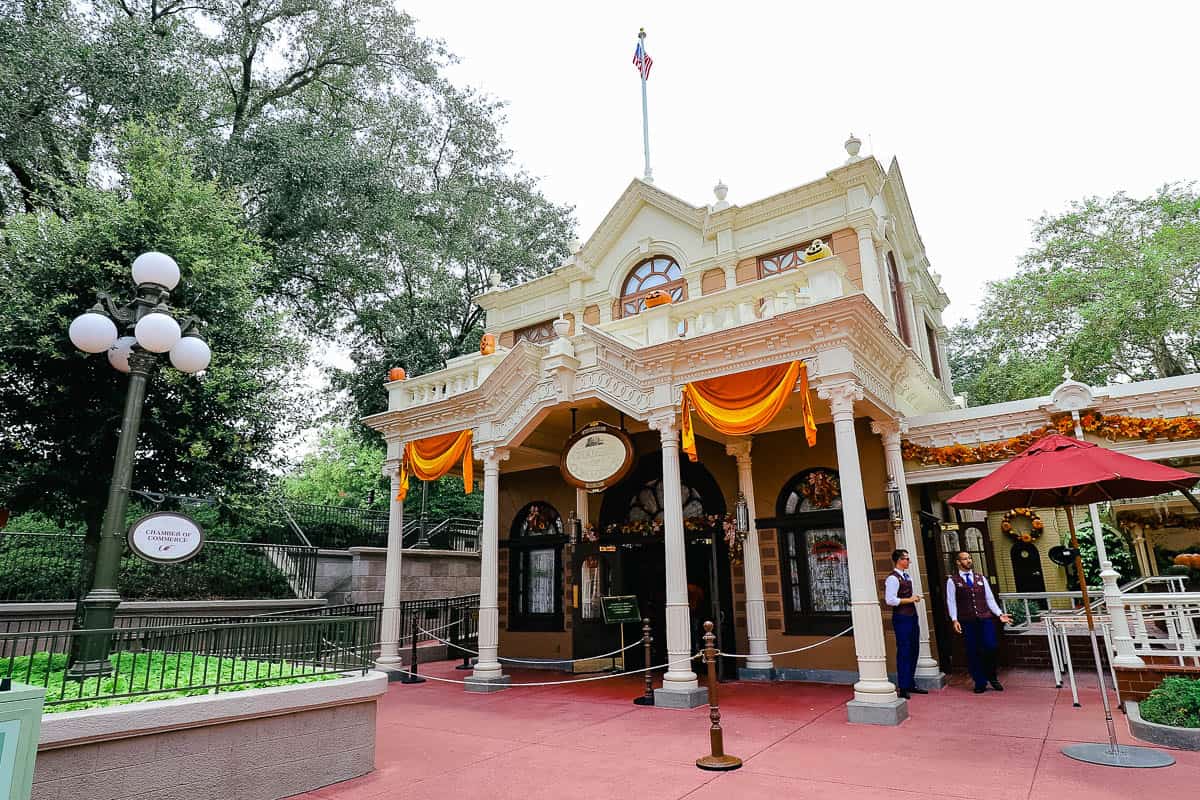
{"points": [[995, 115]]}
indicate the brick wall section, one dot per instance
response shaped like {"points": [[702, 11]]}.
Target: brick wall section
{"points": [[1030, 649], [746, 270], [1137, 682], [591, 315], [712, 281], [255, 759], [844, 244]]}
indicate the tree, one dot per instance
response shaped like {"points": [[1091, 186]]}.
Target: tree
{"points": [[1110, 289], [60, 409], [343, 470]]}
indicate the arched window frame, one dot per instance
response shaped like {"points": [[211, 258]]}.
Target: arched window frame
{"points": [[659, 272], [807, 525], [535, 540]]}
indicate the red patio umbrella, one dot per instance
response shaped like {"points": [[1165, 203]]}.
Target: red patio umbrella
{"points": [[1058, 471]]}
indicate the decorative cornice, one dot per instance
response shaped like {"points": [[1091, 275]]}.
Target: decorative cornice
{"points": [[665, 422]]}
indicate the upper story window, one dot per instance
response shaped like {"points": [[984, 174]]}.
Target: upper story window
{"points": [[935, 357], [540, 333], [897, 292], [783, 260], [658, 272]]}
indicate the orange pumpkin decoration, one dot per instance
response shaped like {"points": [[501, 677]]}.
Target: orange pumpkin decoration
{"points": [[487, 345], [657, 298], [396, 374]]}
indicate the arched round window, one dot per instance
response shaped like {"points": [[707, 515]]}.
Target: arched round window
{"points": [[647, 505], [535, 570], [812, 490], [658, 272], [813, 559]]}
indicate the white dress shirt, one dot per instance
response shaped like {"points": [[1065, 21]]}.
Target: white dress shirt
{"points": [[952, 590], [891, 588]]}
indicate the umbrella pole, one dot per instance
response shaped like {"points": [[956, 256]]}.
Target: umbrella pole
{"points": [[1113, 755]]}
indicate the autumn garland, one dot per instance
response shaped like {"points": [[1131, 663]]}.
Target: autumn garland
{"points": [[1111, 427]]}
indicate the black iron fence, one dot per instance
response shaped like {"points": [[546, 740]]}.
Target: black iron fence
{"points": [[460, 534], [338, 528], [186, 659], [45, 567]]}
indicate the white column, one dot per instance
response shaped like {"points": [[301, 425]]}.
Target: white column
{"points": [[487, 668], [873, 687], [1114, 602], [389, 633], [869, 267], [679, 676], [928, 674], [756, 612]]}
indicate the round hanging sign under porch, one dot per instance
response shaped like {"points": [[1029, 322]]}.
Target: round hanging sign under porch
{"points": [[596, 457], [165, 537]]}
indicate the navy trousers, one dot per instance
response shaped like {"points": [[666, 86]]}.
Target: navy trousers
{"points": [[908, 635], [981, 649]]}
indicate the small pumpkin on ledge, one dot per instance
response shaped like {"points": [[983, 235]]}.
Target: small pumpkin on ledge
{"points": [[487, 345], [397, 374], [817, 250], [657, 298]]}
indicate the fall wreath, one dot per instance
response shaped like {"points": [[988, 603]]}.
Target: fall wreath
{"points": [[1035, 524]]}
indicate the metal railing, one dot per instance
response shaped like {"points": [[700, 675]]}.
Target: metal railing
{"points": [[460, 534], [440, 615], [187, 659], [45, 567], [1163, 626], [1030, 608], [337, 528]]}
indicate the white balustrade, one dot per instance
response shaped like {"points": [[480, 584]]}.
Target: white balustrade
{"points": [[461, 374]]}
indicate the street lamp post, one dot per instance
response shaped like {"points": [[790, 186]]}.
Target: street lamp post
{"points": [[150, 330]]}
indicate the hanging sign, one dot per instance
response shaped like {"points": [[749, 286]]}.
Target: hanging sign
{"points": [[596, 457], [165, 537], [623, 608]]}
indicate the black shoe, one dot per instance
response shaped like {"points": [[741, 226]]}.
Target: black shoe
{"points": [[996, 685], [902, 693], [980, 689], [915, 690]]}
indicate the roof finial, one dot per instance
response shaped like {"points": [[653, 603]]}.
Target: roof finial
{"points": [[1067, 376], [853, 145], [720, 190]]}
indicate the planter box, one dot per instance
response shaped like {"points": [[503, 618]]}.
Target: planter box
{"points": [[1166, 735], [258, 744]]}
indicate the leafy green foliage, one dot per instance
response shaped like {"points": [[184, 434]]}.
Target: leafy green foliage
{"points": [[60, 409], [157, 675], [1175, 702], [1115, 546], [342, 470], [1110, 289]]}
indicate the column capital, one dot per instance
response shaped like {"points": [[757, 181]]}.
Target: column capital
{"points": [[841, 396], [664, 422], [739, 448], [491, 456], [890, 430], [391, 468]]}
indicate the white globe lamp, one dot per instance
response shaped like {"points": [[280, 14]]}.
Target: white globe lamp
{"points": [[118, 354], [92, 332], [191, 355], [156, 268], [157, 332]]}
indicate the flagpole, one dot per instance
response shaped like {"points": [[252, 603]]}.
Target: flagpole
{"points": [[649, 176]]}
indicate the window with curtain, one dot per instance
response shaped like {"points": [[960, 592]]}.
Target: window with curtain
{"points": [[658, 272], [812, 546], [535, 569], [896, 290]]}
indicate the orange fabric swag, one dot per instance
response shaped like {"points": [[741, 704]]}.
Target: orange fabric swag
{"points": [[741, 404], [431, 458]]}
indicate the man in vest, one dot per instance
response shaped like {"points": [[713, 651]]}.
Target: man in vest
{"points": [[898, 593], [974, 612]]}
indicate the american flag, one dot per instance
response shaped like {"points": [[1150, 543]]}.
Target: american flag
{"points": [[642, 60]]}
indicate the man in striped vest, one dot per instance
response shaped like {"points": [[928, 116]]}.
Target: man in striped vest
{"points": [[974, 612]]}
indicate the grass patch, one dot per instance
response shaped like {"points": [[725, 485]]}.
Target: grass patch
{"points": [[151, 675]]}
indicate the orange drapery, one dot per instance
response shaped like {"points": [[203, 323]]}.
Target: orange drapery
{"points": [[431, 458], [738, 405]]}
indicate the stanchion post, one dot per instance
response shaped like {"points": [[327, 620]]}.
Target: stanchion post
{"points": [[717, 760], [647, 698], [411, 676], [462, 638]]}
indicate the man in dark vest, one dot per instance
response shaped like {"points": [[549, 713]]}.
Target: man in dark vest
{"points": [[898, 593], [974, 612]]}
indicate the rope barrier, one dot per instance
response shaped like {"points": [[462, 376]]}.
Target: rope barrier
{"points": [[531, 660], [564, 683], [439, 628], [787, 652]]}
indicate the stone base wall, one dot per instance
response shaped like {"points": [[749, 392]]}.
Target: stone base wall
{"points": [[1137, 682], [425, 574], [245, 745]]}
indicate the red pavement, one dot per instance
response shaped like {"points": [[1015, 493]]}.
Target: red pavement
{"points": [[589, 741]]}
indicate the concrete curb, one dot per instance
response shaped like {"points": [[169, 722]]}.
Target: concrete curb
{"points": [[1166, 735]]}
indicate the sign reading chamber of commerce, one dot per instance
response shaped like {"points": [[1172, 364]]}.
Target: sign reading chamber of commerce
{"points": [[596, 457], [622, 608], [165, 537]]}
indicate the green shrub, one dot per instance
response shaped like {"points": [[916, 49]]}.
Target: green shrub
{"points": [[1175, 702]]}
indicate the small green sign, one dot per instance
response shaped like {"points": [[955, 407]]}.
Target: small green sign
{"points": [[623, 608]]}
